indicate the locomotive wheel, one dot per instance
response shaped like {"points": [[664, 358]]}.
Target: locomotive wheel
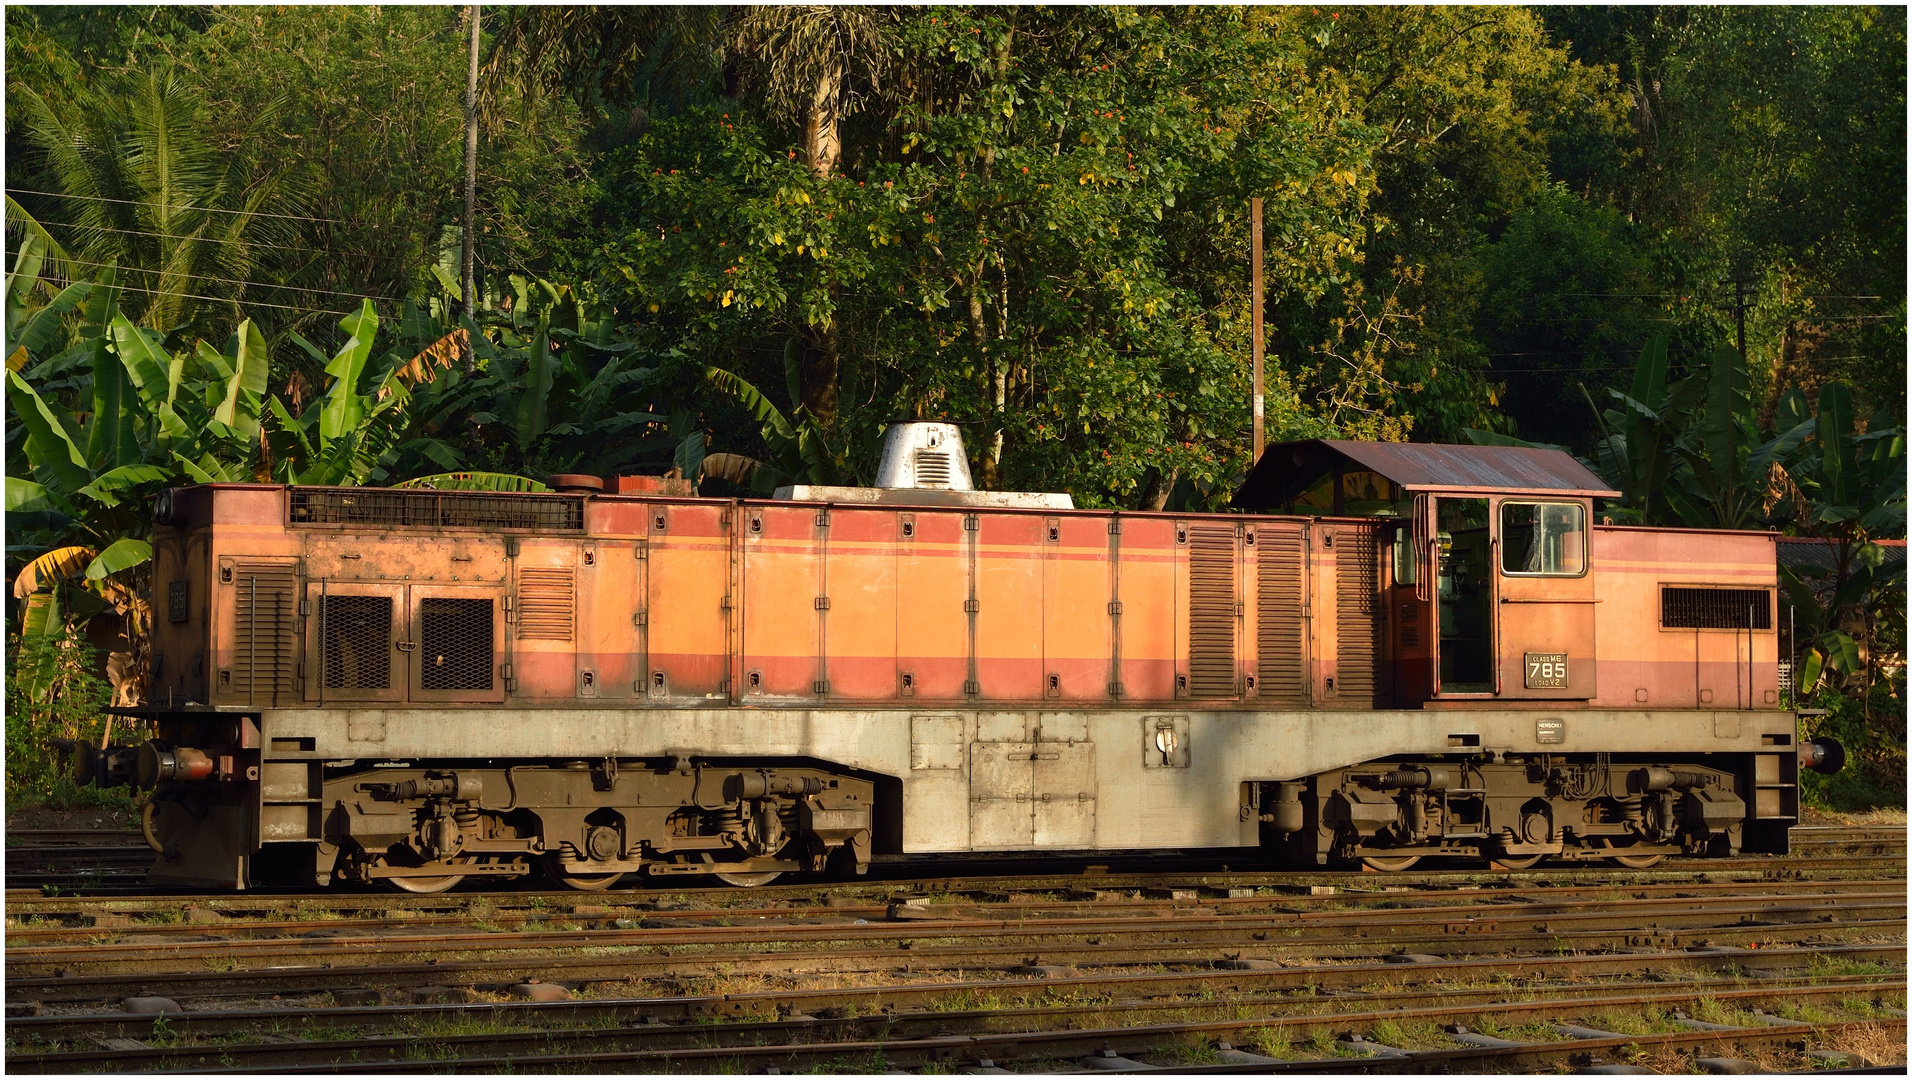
{"points": [[425, 885], [554, 868], [748, 880], [1637, 862], [1389, 864], [1511, 862]]}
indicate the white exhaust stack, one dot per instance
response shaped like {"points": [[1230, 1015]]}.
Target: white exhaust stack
{"points": [[924, 456], [924, 465]]}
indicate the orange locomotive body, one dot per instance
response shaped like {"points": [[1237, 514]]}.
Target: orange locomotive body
{"points": [[417, 686]]}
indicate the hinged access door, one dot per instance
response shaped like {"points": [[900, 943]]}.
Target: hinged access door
{"points": [[352, 635], [455, 643], [258, 620], [1545, 598], [1411, 622]]}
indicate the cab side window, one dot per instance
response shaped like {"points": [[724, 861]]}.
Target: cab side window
{"points": [[1543, 538]]}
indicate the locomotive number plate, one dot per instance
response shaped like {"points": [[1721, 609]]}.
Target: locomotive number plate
{"points": [[1546, 670]]}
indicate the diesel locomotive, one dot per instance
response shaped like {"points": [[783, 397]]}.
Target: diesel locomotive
{"points": [[1389, 652]]}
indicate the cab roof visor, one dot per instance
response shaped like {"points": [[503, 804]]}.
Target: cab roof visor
{"points": [[1286, 470]]}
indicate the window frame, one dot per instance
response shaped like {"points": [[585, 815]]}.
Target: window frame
{"points": [[1585, 530]]}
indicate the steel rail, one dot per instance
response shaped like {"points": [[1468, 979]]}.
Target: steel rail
{"points": [[596, 915], [305, 980], [1630, 916], [1036, 1046], [869, 1002], [1000, 876], [765, 898], [529, 1042]]}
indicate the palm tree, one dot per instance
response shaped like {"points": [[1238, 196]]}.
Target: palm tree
{"points": [[195, 229], [814, 64]]}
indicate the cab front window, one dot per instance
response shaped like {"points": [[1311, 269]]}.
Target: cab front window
{"points": [[1543, 538]]}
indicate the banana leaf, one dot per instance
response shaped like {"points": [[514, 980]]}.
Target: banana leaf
{"points": [[122, 554], [56, 459], [473, 481], [61, 564]]}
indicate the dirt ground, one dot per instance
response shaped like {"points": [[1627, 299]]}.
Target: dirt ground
{"points": [[1890, 815], [42, 818]]}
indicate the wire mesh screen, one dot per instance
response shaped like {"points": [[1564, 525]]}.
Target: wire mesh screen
{"points": [[1715, 609], [357, 642], [436, 509], [454, 644]]}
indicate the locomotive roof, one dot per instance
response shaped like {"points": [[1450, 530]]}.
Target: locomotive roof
{"points": [[1286, 470]]}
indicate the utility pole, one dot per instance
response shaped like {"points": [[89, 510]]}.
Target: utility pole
{"points": [[1254, 229], [465, 278]]}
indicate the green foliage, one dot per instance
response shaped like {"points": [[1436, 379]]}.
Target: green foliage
{"points": [[1765, 144], [1871, 726], [70, 706], [1559, 308], [1039, 257]]}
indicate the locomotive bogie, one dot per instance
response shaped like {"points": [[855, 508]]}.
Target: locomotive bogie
{"points": [[1518, 809]]}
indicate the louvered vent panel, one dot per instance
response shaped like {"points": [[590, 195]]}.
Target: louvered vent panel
{"points": [[545, 603], [454, 644], [1715, 609], [356, 637], [932, 468], [1211, 611], [265, 630], [1280, 647], [1357, 605]]}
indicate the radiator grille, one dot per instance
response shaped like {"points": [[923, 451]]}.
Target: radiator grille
{"points": [[265, 628], [1715, 609], [932, 468], [1211, 611], [1279, 646], [545, 602], [386, 509], [356, 642], [1357, 630], [454, 644]]}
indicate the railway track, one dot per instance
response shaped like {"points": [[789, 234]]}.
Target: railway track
{"points": [[1348, 1011], [1007, 965]]}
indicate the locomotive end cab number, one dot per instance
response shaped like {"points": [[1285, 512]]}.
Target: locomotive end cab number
{"points": [[1546, 670]]}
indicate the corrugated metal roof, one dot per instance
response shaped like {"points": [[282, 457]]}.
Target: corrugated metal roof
{"points": [[1822, 554], [1288, 469]]}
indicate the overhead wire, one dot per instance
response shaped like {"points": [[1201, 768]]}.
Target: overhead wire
{"points": [[223, 240], [172, 206], [238, 281]]}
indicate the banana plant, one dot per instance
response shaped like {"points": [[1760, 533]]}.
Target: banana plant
{"points": [[798, 451], [105, 416], [346, 434], [550, 386]]}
